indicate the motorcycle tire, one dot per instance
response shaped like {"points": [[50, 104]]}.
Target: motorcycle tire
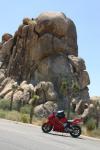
{"points": [[46, 128], [76, 131]]}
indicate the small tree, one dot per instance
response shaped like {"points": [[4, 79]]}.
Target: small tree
{"points": [[69, 89], [19, 104], [66, 90], [33, 102], [75, 89], [44, 94], [97, 114], [14, 87]]}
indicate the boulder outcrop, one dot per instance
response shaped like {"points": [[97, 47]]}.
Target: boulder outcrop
{"points": [[42, 50]]}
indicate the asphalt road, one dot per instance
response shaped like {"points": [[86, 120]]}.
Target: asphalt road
{"points": [[18, 136]]}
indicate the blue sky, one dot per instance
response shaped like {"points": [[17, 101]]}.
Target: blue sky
{"points": [[84, 13]]}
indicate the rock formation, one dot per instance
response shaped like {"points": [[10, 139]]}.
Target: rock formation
{"points": [[43, 49], [92, 109]]}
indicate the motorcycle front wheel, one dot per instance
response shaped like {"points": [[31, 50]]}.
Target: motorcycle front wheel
{"points": [[76, 131], [46, 128]]}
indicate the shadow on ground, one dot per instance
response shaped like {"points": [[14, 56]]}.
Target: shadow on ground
{"points": [[63, 135]]}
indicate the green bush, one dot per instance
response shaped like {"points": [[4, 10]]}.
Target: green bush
{"points": [[24, 118], [15, 105], [2, 113], [4, 104], [13, 115], [96, 133], [91, 124], [25, 109]]}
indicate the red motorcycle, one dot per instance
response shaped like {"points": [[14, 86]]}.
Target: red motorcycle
{"points": [[59, 123]]}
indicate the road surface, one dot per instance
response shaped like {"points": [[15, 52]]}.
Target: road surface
{"points": [[19, 136]]}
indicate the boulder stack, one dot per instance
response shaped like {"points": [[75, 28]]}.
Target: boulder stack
{"points": [[45, 50]]}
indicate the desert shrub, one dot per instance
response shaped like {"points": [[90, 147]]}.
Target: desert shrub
{"points": [[4, 104], [13, 115], [24, 118], [2, 113], [17, 105], [96, 133], [25, 109], [14, 107], [91, 124]]}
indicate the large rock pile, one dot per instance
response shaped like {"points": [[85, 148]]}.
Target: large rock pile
{"points": [[43, 49], [92, 109]]}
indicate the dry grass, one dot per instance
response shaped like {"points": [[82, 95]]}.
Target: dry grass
{"points": [[38, 121], [94, 133]]}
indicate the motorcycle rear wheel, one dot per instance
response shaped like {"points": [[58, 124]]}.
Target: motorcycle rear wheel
{"points": [[46, 128], [76, 131]]}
